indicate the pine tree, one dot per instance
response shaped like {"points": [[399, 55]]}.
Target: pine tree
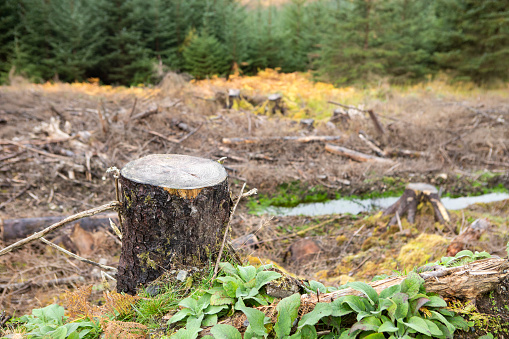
{"points": [[205, 56], [33, 52], [297, 41], [125, 59], [75, 39], [9, 20], [474, 39]]}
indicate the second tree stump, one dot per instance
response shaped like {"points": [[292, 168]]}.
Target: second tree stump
{"points": [[415, 194], [175, 211]]}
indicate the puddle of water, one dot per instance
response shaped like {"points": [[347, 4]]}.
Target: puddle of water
{"points": [[342, 206]]}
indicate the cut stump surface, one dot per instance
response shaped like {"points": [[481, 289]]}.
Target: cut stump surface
{"points": [[175, 210]]}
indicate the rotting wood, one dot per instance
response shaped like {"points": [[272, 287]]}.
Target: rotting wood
{"points": [[414, 194], [358, 156], [175, 211], [11, 229], [463, 282], [468, 236], [254, 140], [378, 151], [107, 207]]}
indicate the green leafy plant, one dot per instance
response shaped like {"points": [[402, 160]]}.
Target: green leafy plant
{"points": [[50, 322], [461, 258], [400, 311], [239, 286]]}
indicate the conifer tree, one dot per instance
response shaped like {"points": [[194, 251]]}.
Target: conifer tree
{"points": [[205, 56], [75, 39], [33, 51], [9, 20], [474, 39], [125, 59]]}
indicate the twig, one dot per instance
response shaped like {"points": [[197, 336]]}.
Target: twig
{"points": [[347, 106], [36, 150], [145, 114], [104, 267], [351, 239], [134, 107], [20, 193], [109, 206], [157, 134], [190, 133], [226, 233]]}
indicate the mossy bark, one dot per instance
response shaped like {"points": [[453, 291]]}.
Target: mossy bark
{"points": [[169, 229]]}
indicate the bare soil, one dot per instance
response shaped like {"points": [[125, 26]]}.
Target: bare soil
{"points": [[57, 143]]}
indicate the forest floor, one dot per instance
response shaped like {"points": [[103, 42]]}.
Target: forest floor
{"points": [[58, 140]]}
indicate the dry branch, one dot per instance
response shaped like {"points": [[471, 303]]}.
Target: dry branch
{"points": [[63, 250], [358, 156], [146, 113], [254, 140], [107, 207], [58, 281]]}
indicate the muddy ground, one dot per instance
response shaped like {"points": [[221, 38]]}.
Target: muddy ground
{"points": [[58, 141]]}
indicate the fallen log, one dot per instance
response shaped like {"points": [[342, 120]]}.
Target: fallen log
{"points": [[11, 229], [358, 156], [463, 282], [414, 194], [254, 140]]}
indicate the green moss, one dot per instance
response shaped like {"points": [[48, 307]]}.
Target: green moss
{"points": [[425, 248], [146, 261]]}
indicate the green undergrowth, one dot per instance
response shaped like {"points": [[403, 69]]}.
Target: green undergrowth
{"points": [[289, 195], [399, 311]]}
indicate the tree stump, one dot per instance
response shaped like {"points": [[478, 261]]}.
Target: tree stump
{"points": [[414, 194], [175, 211]]}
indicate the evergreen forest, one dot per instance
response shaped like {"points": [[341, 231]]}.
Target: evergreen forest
{"points": [[129, 42]]}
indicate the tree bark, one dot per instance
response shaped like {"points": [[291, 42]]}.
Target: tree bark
{"points": [[175, 210], [413, 195]]}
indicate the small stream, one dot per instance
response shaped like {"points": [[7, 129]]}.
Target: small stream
{"points": [[357, 206]]}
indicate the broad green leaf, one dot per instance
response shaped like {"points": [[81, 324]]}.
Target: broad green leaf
{"points": [[375, 336], [366, 324], [366, 289], [203, 302], [417, 304], [308, 332], [230, 285], [214, 309], [228, 269], [219, 297], [209, 320], [412, 284], [84, 332], [255, 317], [436, 301], [190, 303], [419, 325], [247, 273], [401, 300], [387, 326], [459, 323], [316, 286], [185, 333], [464, 253], [447, 334], [446, 312], [433, 328], [390, 291], [383, 304], [264, 268], [74, 335], [53, 312], [339, 308], [72, 327], [288, 310], [59, 333], [180, 315], [221, 331], [437, 316], [362, 315], [321, 310], [355, 302], [264, 277], [194, 323]]}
